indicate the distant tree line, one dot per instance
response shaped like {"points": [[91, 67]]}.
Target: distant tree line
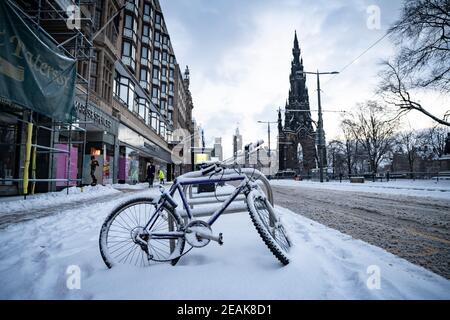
{"points": [[373, 143]]}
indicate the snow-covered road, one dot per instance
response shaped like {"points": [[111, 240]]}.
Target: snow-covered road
{"points": [[415, 228], [325, 264]]}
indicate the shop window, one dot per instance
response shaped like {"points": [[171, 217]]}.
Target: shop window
{"points": [[8, 137]]}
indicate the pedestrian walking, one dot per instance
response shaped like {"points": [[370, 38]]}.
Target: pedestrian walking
{"points": [[94, 165], [150, 174], [340, 177], [161, 176]]}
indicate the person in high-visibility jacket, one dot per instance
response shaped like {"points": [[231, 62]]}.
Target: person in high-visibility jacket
{"points": [[161, 176]]}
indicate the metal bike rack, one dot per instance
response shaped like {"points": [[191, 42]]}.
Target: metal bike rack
{"points": [[238, 205]]}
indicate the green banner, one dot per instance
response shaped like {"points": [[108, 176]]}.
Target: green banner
{"points": [[33, 72]]}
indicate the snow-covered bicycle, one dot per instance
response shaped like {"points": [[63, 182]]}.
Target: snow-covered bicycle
{"points": [[146, 230]]}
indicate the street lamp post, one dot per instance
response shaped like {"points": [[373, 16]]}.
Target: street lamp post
{"points": [[320, 132]]}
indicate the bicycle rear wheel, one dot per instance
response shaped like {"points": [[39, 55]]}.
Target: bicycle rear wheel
{"points": [[268, 225], [118, 236]]}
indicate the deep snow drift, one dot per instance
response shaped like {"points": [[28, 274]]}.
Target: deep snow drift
{"points": [[325, 264]]}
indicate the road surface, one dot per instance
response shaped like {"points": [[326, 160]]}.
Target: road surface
{"points": [[416, 229]]}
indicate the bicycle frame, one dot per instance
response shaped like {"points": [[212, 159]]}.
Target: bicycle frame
{"points": [[178, 186]]}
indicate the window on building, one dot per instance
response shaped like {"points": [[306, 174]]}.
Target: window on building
{"points": [[164, 71], [94, 71], [129, 54], [144, 53], [171, 73], [170, 101], [146, 34], [144, 74], [163, 87], [156, 55], [158, 18], [155, 121], [162, 129], [147, 11], [126, 92], [155, 73], [157, 36], [155, 92], [108, 69], [171, 86], [143, 106], [130, 27], [164, 56]]}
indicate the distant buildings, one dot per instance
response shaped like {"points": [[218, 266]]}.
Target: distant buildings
{"points": [[218, 151], [237, 143]]}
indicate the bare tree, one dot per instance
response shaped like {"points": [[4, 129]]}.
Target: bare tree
{"points": [[336, 156], [432, 142], [373, 128], [423, 61], [408, 143], [351, 149]]}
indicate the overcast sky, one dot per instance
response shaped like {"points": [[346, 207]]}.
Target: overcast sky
{"points": [[239, 53]]}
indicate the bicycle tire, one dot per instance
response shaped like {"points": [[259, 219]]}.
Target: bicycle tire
{"points": [[105, 229], [256, 203]]}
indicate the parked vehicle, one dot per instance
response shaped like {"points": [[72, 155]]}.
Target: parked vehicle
{"points": [[285, 174]]}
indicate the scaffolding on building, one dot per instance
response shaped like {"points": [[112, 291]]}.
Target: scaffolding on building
{"points": [[72, 31]]}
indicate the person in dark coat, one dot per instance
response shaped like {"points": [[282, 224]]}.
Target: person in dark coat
{"points": [[94, 165], [150, 174]]}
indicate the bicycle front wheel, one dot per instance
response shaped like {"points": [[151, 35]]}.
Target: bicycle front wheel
{"points": [[119, 242], [268, 225]]}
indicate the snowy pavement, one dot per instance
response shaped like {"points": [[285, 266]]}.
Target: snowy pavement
{"points": [[417, 188], [415, 228], [326, 264], [17, 209]]}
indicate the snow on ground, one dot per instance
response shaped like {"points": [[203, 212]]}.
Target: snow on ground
{"points": [[18, 203], [418, 188], [325, 264], [137, 186]]}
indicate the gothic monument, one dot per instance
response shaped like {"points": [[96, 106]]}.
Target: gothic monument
{"points": [[296, 139]]}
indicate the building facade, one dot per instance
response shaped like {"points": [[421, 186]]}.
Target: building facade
{"points": [[296, 137], [237, 143], [218, 151], [130, 97]]}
